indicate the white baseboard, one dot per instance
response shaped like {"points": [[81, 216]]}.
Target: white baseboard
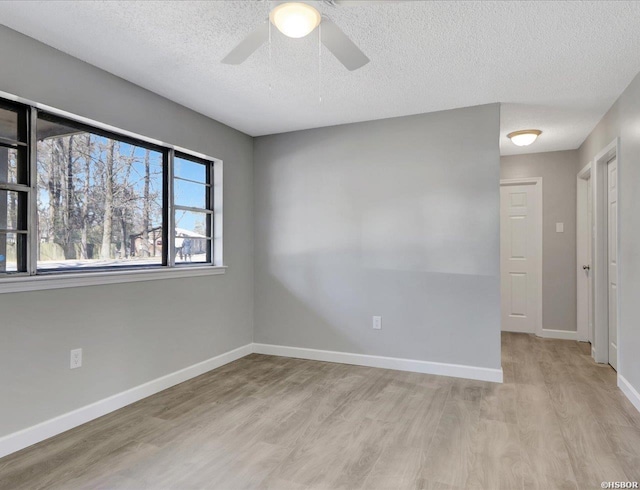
{"points": [[49, 428], [629, 391], [550, 334], [425, 367], [559, 334], [517, 330]]}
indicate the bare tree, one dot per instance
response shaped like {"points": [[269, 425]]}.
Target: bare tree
{"points": [[69, 203], [105, 250], [146, 218], [84, 206]]}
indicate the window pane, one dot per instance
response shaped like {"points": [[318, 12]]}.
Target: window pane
{"points": [[192, 228], [99, 199], [192, 224], [10, 171], [190, 194], [11, 244], [190, 249], [13, 207], [8, 124], [186, 169]]}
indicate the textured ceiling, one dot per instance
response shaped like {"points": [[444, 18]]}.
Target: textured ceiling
{"points": [[556, 66]]}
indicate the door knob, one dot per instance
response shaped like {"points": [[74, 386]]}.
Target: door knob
{"points": [[586, 267]]}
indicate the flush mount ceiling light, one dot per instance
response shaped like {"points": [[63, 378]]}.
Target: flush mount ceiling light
{"points": [[524, 137], [295, 19]]}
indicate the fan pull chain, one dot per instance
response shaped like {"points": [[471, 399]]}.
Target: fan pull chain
{"points": [[270, 60], [320, 63]]}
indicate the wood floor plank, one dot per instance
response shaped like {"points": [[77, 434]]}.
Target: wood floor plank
{"points": [[542, 444], [451, 456], [623, 440], [313, 461], [534, 480], [499, 403], [592, 458], [101, 471], [610, 407], [568, 402], [546, 457], [508, 372], [498, 462], [529, 373], [418, 427], [631, 467], [556, 373], [361, 454], [397, 467]]}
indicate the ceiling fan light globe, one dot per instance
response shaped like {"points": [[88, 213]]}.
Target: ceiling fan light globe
{"points": [[525, 137], [294, 19]]}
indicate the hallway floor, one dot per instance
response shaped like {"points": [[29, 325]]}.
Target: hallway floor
{"points": [[558, 421]]}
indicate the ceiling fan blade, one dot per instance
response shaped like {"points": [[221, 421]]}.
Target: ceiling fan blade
{"points": [[341, 46], [359, 3], [248, 45]]}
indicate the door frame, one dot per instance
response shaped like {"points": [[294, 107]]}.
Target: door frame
{"points": [[537, 182], [600, 271], [582, 250]]}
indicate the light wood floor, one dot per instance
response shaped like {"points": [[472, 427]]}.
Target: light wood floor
{"points": [[558, 421]]}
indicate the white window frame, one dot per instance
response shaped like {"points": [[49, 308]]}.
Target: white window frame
{"points": [[34, 281]]}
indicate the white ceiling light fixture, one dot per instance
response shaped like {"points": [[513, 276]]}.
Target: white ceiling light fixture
{"points": [[294, 19], [524, 137], [297, 20]]}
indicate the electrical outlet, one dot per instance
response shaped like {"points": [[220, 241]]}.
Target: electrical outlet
{"points": [[377, 323], [559, 227], [76, 359]]}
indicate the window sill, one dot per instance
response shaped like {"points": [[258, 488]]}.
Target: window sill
{"points": [[80, 279]]}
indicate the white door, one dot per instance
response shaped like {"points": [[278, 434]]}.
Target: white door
{"points": [[584, 246], [589, 274], [519, 257], [612, 260]]}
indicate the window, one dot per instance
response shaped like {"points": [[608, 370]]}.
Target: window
{"points": [[80, 198], [100, 199], [193, 210], [14, 188]]}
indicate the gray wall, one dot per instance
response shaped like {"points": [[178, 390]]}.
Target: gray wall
{"points": [[398, 218], [558, 172], [130, 333], [623, 120]]}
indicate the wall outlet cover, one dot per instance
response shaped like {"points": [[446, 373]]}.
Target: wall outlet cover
{"points": [[377, 323], [76, 359]]}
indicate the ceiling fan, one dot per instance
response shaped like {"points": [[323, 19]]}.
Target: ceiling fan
{"points": [[297, 20]]}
